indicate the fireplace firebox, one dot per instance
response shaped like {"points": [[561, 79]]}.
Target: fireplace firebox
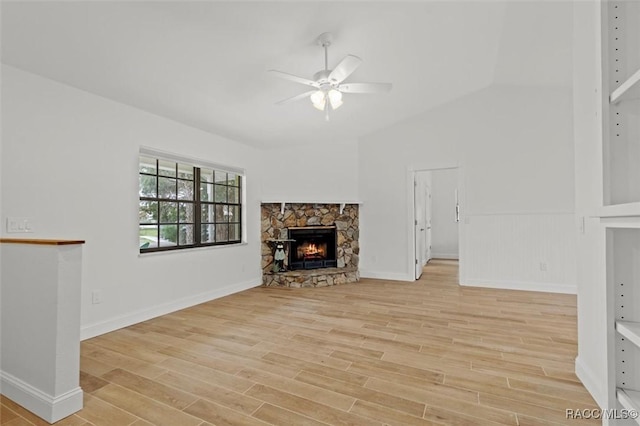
{"points": [[313, 247]]}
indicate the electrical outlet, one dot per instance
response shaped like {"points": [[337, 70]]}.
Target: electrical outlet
{"points": [[96, 297], [543, 266]]}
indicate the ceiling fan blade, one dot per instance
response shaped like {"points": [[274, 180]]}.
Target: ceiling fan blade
{"points": [[295, 78], [297, 97], [365, 87], [345, 68]]}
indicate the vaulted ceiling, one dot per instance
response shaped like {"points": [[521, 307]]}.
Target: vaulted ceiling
{"points": [[205, 63]]}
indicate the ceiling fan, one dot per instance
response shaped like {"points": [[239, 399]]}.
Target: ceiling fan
{"points": [[328, 85]]}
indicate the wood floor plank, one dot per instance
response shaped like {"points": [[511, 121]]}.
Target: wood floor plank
{"points": [[388, 415], [307, 407], [285, 384], [90, 383], [200, 372], [100, 413], [219, 415], [424, 392], [119, 360], [6, 414], [210, 391], [19, 421], [279, 416], [152, 389], [146, 408], [381, 398]]}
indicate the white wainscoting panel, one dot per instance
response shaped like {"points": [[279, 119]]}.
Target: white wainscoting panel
{"points": [[521, 252]]}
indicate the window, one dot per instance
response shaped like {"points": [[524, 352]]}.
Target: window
{"points": [[183, 205]]}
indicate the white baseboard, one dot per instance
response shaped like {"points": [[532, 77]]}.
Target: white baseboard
{"points": [[43, 405], [453, 256], [588, 379], [96, 329], [521, 285], [392, 276]]}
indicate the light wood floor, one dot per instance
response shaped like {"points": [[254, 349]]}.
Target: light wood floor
{"points": [[375, 352]]}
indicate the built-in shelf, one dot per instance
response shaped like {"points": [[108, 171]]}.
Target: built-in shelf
{"points": [[629, 89], [630, 400], [620, 210], [630, 330], [342, 204]]}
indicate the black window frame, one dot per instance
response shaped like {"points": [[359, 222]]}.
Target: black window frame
{"points": [[232, 183]]}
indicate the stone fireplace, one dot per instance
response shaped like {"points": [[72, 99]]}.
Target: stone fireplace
{"points": [[320, 240]]}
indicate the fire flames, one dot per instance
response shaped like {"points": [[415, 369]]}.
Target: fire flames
{"points": [[311, 250]]}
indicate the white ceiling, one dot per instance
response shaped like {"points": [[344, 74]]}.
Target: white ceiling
{"points": [[205, 63]]}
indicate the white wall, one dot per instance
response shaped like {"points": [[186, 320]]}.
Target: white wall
{"points": [[70, 165], [327, 172], [514, 146], [593, 324], [444, 228]]}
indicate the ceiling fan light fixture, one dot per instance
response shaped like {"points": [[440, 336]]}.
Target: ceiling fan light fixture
{"points": [[319, 100], [329, 85], [335, 98]]}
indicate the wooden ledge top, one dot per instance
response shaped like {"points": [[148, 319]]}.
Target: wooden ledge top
{"points": [[39, 241]]}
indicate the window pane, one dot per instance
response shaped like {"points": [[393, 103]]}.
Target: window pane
{"points": [[233, 179], [186, 213], [148, 165], [206, 192], [233, 194], [222, 213], [186, 235], [221, 194], [222, 233], [168, 212], [147, 187], [169, 204], [166, 188], [234, 231], [148, 236], [166, 168], [207, 213], [234, 214], [168, 235], [185, 171], [221, 177], [206, 175], [148, 212], [185, 189], [208, 233]]}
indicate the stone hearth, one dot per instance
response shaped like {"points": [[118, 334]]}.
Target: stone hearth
{"points": [[275, 225]]}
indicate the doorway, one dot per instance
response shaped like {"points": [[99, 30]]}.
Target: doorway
{"points": [[436, 216]]}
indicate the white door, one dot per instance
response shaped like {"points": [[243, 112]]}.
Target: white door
{"points": [[420, 223]]}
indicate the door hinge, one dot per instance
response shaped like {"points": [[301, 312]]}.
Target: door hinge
{"points": [[416, 221], [416, 261]]}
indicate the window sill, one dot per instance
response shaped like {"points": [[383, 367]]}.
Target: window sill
{"points": [[191, 249]]}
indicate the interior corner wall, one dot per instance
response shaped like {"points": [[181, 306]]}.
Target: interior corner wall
{"points": [[593, 321], [70, 165], [444, 228], [514, 146], [320, 173]]}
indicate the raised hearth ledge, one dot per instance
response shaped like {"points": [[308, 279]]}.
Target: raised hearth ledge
{"points": [[311, 277]]}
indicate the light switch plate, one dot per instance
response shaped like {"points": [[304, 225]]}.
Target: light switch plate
{"points": [[18, 225]]}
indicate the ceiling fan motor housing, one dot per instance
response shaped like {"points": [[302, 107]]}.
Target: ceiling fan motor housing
{"points": [[322, 78]]}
